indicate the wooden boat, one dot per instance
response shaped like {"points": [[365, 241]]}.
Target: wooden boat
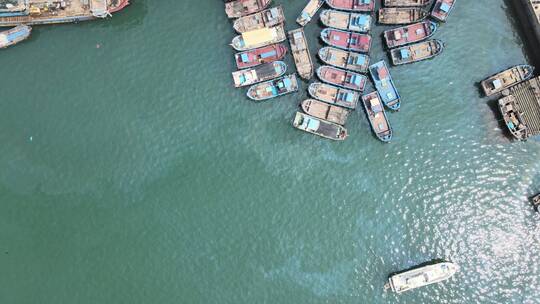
{"points": [[385, 85], [401, 15], [273, 88], [325, 111], [251, 58], [14, 35], [409, 33], [309, 11], [421, 276], [344, 59], [260, 73], [377, 116], [442, 9], [34, 12], [506, 79], [416, 52], [258, 38], [352, 5], [406, 3], [334, 95], [513, 118], [239, 8], [319, 127], [300, 52], [342, 78], [267, 18], [346, 40], [346, 21]]}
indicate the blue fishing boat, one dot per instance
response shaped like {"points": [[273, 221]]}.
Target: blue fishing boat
{"points": [[14, 35], [273, 88], [377, 116], [385, 85]]}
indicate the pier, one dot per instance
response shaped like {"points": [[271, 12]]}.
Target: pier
{"points": [[528, 12]]}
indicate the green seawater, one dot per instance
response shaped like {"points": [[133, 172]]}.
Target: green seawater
{"points": [[132, 172]]}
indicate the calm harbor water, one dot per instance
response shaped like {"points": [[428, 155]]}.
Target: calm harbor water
{"points": [[132, 172]]}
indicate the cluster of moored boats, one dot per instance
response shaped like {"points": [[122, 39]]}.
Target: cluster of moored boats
{"points": [[346, 57]]}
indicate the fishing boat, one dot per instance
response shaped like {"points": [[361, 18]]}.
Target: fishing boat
{"points": [[536, 201], [352, 5], [409, 34], [267, 18], [406, 3], [346, 21], [421, 276], [344, 59], [240, 8], [377, 116], [442, 9], [34, 12], [258, 38], [273, 88], [416, 52], [334, 95], [309, 11], [300, 52], [385, 85], [319, 127], [342, 78], [401, 15], [346, 40], [513, 118], [14, 35], [325, 111], [251, 58], [260, 73], [506, 79]]}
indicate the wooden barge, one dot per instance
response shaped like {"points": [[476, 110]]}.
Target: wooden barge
{"points": [[377, 116], [267, 18], [344, 59], [409, 34], [416, 52], [273, 88], [346, 40], [319, 127], [239, 8], [334, 95], [506, 79], [325, 111], [401, 15], [342, 78], [347, 21], [300, 52], [38, 12]]}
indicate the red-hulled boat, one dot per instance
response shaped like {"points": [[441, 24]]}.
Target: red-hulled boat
{"points": [[346, 40], [352, 5], [409, 34], [239, 8], [118, 6], [262, 55], [342, 78]]}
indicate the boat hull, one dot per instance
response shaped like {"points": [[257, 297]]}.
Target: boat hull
{"points": [[301, 54], [409, 34], [346, 21], [258, 74], [377, 117], [346, 40], [422, 276], [342, 78], [267, 18], [325, 111], [416, 52], [258, 38], [400, 16], [506, 79], [334, 95], [240, 8], [252, 58], [441, 9], [14, 35], [406, 3], [385, 85], [273, 88], [319, 127], [309, 11], [344, 59], [352, 5]]}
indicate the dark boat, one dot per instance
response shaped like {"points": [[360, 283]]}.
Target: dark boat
{"points": [[409, 33], [239, 8], [342, 78], [385, 85], [346, 21], [344, 59], [262, 55], [319, 127], [273, 88], [334, 95], [401, 15], [406, 3], [416, 52], [267, 18], [346, 40], [377, 116], [506, 79], [14, 35], [325, 111], [259, 73], [442, 9], [352, 5]]}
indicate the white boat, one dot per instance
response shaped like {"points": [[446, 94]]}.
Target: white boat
{"points": [[421, 276]]}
